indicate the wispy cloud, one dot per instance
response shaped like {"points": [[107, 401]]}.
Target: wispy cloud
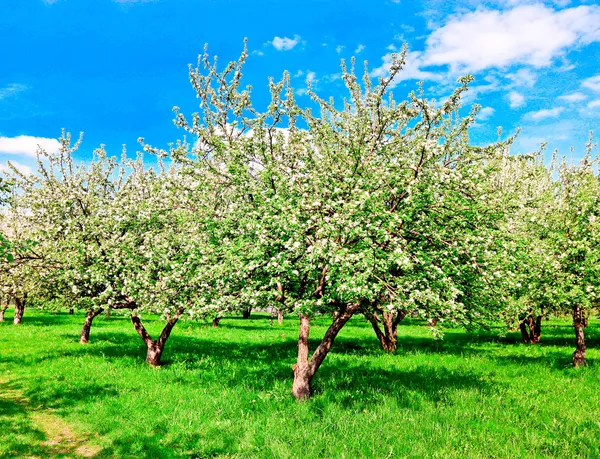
{"points": [[485, 113], [573, 97], [27, 145], [592, 83], [594, 104], [11, 90], [546, 113], [359, 49]]}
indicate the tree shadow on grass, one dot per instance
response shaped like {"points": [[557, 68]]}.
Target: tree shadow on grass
{"points": [[255, 366], [360, 386], [21, 436]]}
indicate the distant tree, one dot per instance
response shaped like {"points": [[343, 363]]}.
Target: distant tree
{"points": [[570, 230]]}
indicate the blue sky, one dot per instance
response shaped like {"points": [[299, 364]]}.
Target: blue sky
{"points": [[115, 68]]}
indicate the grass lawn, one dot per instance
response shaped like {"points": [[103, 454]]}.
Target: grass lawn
{"points": [[226, 393]]}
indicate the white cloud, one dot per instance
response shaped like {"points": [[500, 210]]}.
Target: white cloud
{"points": [[359, 49], [310, 76], [547, 113], [522, 77], [527, 34], [594, 104], [285, 43], [20, 167], [515, 99], [573, 97], [339, 48], [27, 145], [485, 113], [592, 83]]}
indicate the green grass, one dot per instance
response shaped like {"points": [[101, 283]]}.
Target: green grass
{"points": [[226, 393]]}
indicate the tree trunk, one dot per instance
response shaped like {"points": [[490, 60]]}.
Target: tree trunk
{"points": [[388, 338], [578, 324], [71, 311], [154, 349], [246, 313], [85, 331], [524, 331], [305, 368], [302, 373], [19, 309], [3, 309], [535, 328], [531, 329], [215, 322], [280, 317]]}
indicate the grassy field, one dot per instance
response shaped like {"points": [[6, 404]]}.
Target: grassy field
{"points": [[226, 393]]}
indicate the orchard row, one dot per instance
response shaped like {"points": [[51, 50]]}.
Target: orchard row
{"points": [[375, 206]]}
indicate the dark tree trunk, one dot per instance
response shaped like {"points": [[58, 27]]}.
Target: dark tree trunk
{"points": [[578, 324], [536, 330], [388, 338], [71, 311], [246, 313], [305, 368], [215, 322], [19, 309], [154, 349], [524, 332], [85, 331], [531, 329]]}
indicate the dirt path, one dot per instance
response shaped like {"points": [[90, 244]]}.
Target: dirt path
{"points": [[59, 438]]}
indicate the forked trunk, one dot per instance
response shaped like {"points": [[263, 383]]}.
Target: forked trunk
{"points": [[3, 309], [19, 309], [71, 311], [578, 324], [246, 313], [215, 322], [154, 349], [531, 329], [388, 338], [305, 368], [85, 331]]}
